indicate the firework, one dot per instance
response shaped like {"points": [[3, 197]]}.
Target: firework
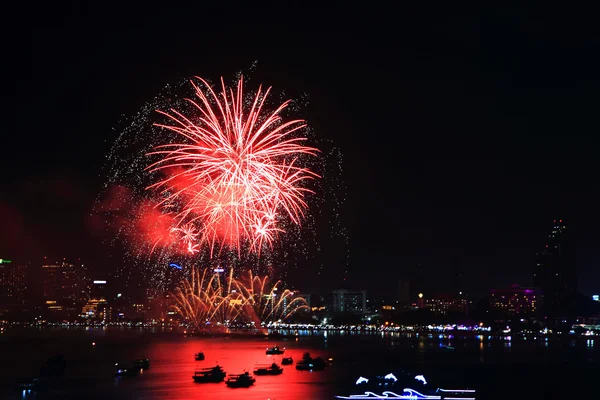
{"points": [[205, 298], [237, 172], [189, 236], [202, 298], [265, 302], [193, 196]]}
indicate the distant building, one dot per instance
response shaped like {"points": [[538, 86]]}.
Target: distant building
{"points": [[349, 301], [555, 270], [172, 277], [516, 300], [65, 287], [94, 309], [13, 284], [157, 304], [420, 301], [13, 288], [62, 281], [403, 295], [98, 289], [446, 304]]}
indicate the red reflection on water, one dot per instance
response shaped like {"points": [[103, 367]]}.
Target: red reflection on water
{"points": [[173, 364]]}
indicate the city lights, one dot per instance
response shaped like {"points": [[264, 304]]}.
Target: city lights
{"points": [[249, 178]]}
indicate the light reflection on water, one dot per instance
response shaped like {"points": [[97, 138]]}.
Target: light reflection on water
{"points": [[484, 363]]}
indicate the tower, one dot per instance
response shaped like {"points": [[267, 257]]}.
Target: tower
{"points": [[555, 270], [13, 286], [65, 286]]}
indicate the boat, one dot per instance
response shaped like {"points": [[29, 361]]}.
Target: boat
{"points": [[244, 380], [310, 364], [412, 394], [287, 361], [404, 385], [142, 363], [209, 375], [32, 384], [275, 350], [123, 370], [272, 369], [199, 356]]}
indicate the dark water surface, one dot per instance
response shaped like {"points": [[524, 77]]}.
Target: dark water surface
{"points": [[557, 369]]}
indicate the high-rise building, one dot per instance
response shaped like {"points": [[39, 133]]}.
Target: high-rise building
{"points": [[221, 276], [96, 306], [445, 304], [13, 287], [516, 300], [349, 301], [555, 270], [98, 289], [65, 286], [172, 277], [13, 283], [403, 295]]}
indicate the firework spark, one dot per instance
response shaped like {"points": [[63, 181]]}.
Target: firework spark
{"points": [[266, 302], [205, 297], [237, 172], [189, 236]]}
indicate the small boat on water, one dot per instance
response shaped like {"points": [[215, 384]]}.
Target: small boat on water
{"points": [[272, 369], [408, 393], [275, 350], [199, 356], [209, 375], [287, 361], [244, 380], [405, 385], [310, 364], [32, 384], [123, 370], [142, 363]]}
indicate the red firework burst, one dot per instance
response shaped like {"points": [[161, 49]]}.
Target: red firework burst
{"points": [[236, 174]]}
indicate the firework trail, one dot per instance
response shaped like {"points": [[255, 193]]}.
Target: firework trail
{"points": [[236, 172], [265, 302], [204, 297]]}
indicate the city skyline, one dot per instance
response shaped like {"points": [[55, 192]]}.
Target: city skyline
{"points": [[69, 294], [553, 278], [332, 201], [554, 272]]}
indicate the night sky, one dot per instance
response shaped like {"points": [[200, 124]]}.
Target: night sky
{"points": [[464, 135]]}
